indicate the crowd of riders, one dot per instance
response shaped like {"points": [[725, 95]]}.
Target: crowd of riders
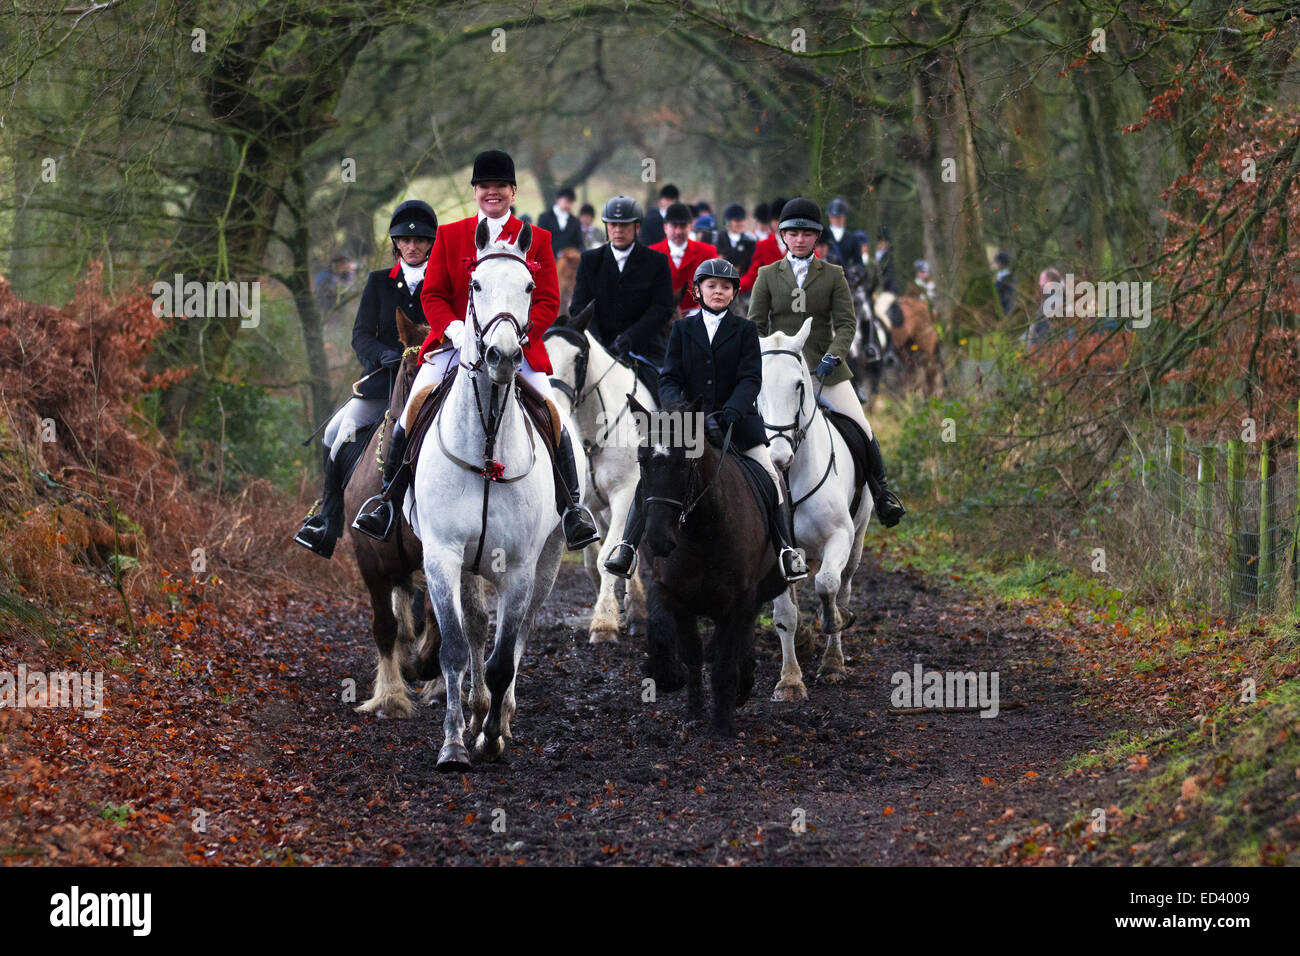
{"points": [[678, 295]]}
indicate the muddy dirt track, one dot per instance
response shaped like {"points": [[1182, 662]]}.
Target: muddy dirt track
{"points": [[595, 775]]}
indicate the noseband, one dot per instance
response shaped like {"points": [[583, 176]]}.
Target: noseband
{"points": [[797, 432]]}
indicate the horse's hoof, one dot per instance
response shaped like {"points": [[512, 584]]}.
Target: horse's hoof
{"points": [[790, 693], [452, 758], [603, 635], [434, 692], [397, 707], [637, 627], [668, 679], [486, 749], [837, 676]]}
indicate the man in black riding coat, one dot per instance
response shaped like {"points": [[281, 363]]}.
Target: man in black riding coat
{"points": [[714, 356], [632, 287], [412, 228]]}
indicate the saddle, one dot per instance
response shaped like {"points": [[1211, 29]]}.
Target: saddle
{"points": [[857, 441], [760, 483], [544, 416]]}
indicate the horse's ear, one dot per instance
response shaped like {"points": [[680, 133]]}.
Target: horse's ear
{"points": [[561, 321], [636, 406], [408, 333], [583, 318], [525, 238], [481, 235], [801, 337]]}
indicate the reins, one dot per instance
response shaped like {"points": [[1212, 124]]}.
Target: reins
{"points": [[691, 478], [801, 432]]}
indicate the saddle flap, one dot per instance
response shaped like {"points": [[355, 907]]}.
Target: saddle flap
{"points": [[856, 439]]}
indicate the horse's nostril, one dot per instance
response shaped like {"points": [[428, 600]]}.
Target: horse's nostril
{"points": [[494, 355], [518, 357]]}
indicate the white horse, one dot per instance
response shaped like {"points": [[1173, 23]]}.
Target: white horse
{"points": [[486, 508], [592, 388], [820, 475]]}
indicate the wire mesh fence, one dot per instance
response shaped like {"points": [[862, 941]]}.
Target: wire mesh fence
{"points": [[1231, 517]]}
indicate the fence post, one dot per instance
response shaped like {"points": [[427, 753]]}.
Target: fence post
{"points": [[1236, 502], [1205, 502], [1175, 436], [1265, 584]]}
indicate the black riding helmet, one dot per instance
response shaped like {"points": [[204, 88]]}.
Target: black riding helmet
{"points": [[413, 218], [715, 269], [621, 209], [801, 213], [679, 213]]}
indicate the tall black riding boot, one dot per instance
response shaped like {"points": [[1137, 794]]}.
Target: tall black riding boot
{"points": [[376, 516], [622, 560], [888, 506], [793, 565], [579, 526], [320, 531]]}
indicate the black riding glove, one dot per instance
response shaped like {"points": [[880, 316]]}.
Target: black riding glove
{"points": [[391, 358], [827, 365], [731, 417], [622, 346]]}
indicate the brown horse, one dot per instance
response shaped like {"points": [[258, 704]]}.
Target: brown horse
{"points": [[566, 265], [915, 339], [393, 569]]}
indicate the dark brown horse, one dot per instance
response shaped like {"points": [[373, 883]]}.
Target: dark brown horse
{"points": [[393, 569], [712, 558]]}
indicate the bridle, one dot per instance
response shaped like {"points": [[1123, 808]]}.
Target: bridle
{"points": [[687, 505], [481, 331], [798, 432], [578, 393]]}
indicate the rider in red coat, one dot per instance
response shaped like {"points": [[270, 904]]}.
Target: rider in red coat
{"points": [[445, 297], [445, 293], [684, 254]]}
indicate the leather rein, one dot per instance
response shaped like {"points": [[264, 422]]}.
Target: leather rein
{"points": [[797, 432]]}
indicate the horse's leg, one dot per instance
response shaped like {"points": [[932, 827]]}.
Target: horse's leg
{"points": [[590, 561], [635, 608], [548, 566], [604, 616], [512, 613], [426, 652], [389, 695], [691, 651], [732, 633], [476, 627], [850, 569], [664, 666], [442, 573], [835, 556], [785, 618]]}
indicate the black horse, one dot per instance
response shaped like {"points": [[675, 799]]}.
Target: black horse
{"points": [[708, 536]]}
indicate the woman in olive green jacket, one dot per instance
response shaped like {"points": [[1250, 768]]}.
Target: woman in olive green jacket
{"points": [[800, 285]]}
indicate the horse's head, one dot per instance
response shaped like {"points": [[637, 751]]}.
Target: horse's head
{"points": [[569, 348], [411, 335], [669, 474], [786, 399], [500, 295]]}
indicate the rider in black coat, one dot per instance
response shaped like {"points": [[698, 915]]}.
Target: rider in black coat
{"points": [[714, 356], [379, 349], [634, 304]]}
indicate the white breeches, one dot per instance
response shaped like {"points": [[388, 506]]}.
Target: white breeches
{"points": [[763, 456], [843, 399], [434, 369], [351, 419]]}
